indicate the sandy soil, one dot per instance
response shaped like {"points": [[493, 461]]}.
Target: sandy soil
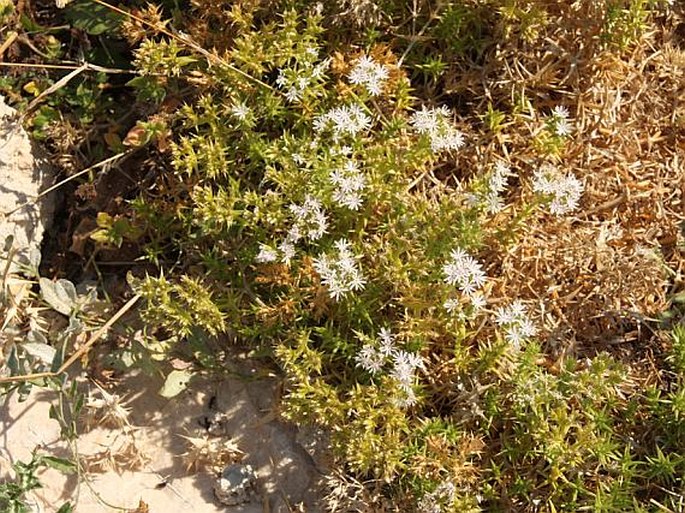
{"points": [[287, 473]]}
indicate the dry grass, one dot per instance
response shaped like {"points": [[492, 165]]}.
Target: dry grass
{"points": [[603, 272]]}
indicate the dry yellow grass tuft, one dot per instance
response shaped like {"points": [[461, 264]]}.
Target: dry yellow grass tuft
{"points": [[613, 264]]}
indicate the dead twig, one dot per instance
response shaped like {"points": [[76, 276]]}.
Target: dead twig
{"points": [[8, 42], [187, 41], [62, 182], [81, 351], [70, 65]]}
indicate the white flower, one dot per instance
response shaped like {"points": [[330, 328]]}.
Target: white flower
{"points": [[294, 233], [518, 309], [342, 275], [435, 123], [310, 223], [560, 112], [370, 359], [387, 342], [449, 138], [452, 305], [310, 220], [528, 329], [349, 182], [513, 319], [374, 356], [288, 251], [319, 70], [493, 203], [356, 282], [565, 189], [513, 335], [558, 122], [343, 120], [407, 399], [321, 123], [478, 301], [461, 310], [298, 79], [240, 111], [266, 254], [282, 80], [404, 366], [292, 94], [464, 271], [563, 128], [496, 184], [428, 121], [370, 74], [499, 177], [503, 316]]}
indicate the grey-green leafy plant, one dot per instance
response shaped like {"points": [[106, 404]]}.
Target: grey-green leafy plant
{"points": [[14, 490]]}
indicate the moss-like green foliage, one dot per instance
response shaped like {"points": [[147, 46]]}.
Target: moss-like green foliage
{"points": [[323, 213]]}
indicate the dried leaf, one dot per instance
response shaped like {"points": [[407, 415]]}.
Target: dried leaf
{"points": [[176, 382]]}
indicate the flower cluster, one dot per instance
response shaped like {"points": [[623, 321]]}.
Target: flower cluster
{"points": [[464, 271], [349, 120], [266, 254], [310, 223], [435, 123], [349, 183], [466, 309], [341, 274], [565, 189], [373, 358], [497, 184], [467, 274], [310, 220], [297, 80], [370, 74], [558, 122], [513, 320]]}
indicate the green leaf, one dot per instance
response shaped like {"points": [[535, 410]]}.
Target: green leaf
{"points": [[67, 507], [60, 464], [29, 25], [94, 18], [679, 298], [60, 295], [176, 382]]}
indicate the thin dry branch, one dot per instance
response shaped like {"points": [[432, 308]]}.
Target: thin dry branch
{"points": [[59, 184], [185, 40], [80, 352]]}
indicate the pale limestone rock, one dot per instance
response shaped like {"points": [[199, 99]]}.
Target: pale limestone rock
{"points": [[236, 485], [23, 175]]}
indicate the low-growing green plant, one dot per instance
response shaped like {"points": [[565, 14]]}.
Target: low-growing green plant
{"points": [[313, 221], [315, 209], [13, 491]]}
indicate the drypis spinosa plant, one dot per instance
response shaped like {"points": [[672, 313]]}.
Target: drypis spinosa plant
{"points": [[305, 204]]}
